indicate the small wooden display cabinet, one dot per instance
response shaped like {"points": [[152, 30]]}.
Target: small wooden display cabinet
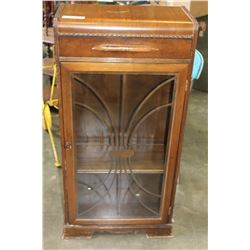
{"points": [[124, 75]]}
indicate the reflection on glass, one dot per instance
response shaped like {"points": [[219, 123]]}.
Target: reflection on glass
{"points": [[121, 124]]}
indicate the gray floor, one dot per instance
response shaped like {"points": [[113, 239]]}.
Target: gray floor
{"points": [[190, 227]]}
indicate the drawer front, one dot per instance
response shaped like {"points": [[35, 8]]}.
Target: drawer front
{"points": [[125, 47]]}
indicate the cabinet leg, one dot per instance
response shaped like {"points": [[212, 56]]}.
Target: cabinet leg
{"points": [[76, 232], [159, 233], [87, 236]]}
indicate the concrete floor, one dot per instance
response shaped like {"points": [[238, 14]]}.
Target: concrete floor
{"points": [[190, 227]]}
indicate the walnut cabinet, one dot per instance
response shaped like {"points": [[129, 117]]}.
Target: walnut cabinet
{"points": [[124, 76]]}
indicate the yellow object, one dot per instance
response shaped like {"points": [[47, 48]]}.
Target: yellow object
{"points": [[47, 124], [47, 118], [53, 102]]}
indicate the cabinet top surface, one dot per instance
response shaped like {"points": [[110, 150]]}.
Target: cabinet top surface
{"points": [[82, 13]]}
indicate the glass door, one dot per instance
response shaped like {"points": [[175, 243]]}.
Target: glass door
{"points": [[121, 124]]}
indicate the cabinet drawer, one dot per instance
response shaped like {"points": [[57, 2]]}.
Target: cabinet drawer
{"points": [[125, 47]]}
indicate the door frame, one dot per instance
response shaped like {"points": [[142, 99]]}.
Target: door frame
{"points": [[67, 138]]}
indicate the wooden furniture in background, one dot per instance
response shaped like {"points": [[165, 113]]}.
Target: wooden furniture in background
{"points": [[48, 15], [202, 46], [125, 74]]}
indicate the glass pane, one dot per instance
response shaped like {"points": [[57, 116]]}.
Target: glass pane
{"points": [[121, 125]]}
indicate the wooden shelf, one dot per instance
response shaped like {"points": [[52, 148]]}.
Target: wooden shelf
{"points": [[145, 167]]}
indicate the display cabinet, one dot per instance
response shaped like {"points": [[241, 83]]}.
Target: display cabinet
{"points": [[124, 74]]}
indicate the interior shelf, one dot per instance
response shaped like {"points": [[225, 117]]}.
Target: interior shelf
{"points": [[149, 167]]}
